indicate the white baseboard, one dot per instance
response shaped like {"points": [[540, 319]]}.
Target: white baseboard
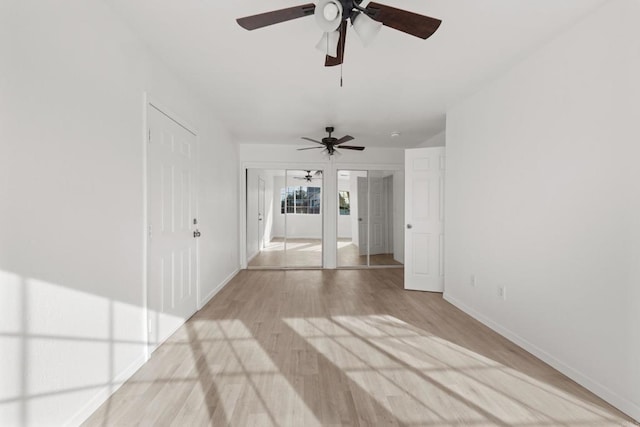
{"points": [[623, 404], [217, 289], [105, 392]]}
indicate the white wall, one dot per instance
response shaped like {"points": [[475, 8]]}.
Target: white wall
{"points": [[273, 153], [71, 204], [543, 198], [439, 140]]}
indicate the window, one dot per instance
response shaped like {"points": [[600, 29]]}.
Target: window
{"points": [[300, 200], [344, 203]]}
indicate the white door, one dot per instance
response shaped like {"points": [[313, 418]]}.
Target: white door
{"points": [[260, 214], [377, 217], [363, 215], [172, 254], [424, 219]]}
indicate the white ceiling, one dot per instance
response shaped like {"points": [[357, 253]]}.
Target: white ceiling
{"points": [[270, 85]]}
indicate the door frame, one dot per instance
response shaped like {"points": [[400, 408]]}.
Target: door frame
{"points": [[149, 102]]}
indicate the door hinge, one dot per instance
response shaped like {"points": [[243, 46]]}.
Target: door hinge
{"points": [[149, 230]]}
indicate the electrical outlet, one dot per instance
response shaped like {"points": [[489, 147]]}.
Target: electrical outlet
{"points": [[502, 292]]}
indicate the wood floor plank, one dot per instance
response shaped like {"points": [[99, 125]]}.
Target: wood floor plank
{"points": [[344, 348]]}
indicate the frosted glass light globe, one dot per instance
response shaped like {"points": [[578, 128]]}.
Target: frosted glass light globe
{"points": [[330, 11]]}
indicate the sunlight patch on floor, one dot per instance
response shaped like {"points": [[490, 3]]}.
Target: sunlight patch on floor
{"points": [[240, 369], [342, 244], [293, 246], [391, 359], [304, 247]]}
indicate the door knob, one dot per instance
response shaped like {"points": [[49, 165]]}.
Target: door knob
{"points": [[360, 219], [409, 226], [196, 233]]}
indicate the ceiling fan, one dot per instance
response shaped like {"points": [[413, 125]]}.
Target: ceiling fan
{"points": [[331, 144], [308, 177], [332, 16]]}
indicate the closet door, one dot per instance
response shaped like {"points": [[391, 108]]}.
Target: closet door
{"points": [[303, 218], [370, 218]]}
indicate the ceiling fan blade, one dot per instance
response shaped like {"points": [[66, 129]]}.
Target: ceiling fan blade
{"points": [[330, 61], [351, 147], [344, 139], [310, 148], [312, 140], [276, 16], [402, 20]]}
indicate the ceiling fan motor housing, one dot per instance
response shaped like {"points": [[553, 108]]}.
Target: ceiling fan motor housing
{"points": [[350, 9]]}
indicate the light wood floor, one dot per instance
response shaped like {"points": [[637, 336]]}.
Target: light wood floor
{"points": [[349, 256], [344, 347], [299, 253], [308, 253]]}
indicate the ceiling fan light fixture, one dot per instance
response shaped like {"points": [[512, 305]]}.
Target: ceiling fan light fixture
{"points": [[328, 44], [328, 15], [330, 11], [366, 28]]}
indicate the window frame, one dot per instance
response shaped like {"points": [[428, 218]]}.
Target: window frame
{"points": [[310, 204]]}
